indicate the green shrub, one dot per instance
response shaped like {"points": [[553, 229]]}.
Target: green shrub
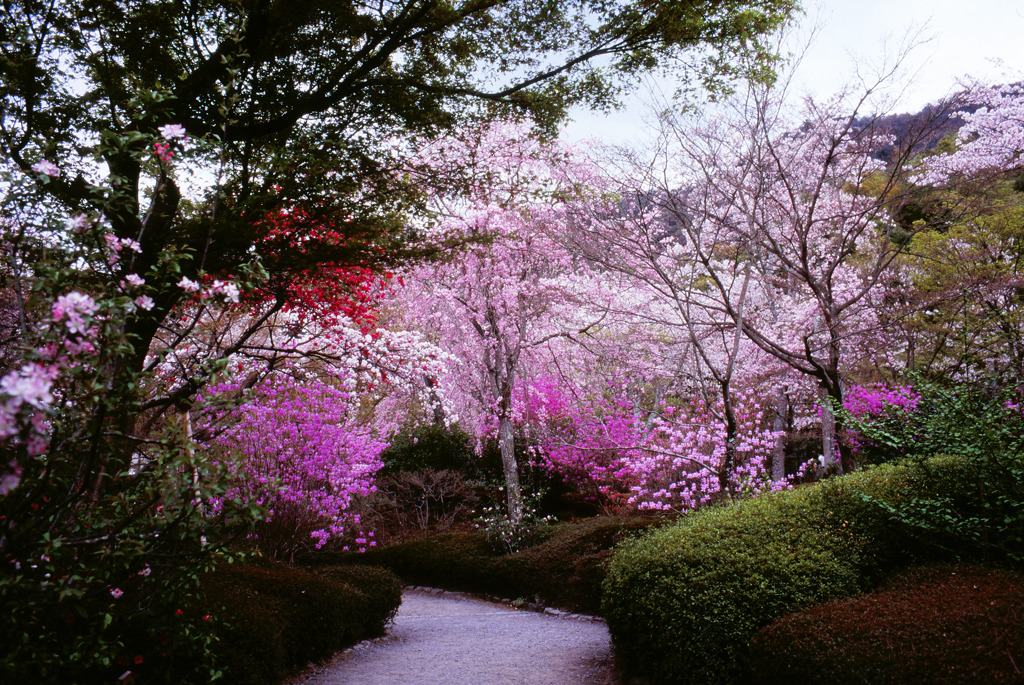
{"points": [[276, 618], [981, 505], [455, 561], [682, 603], [938, 625], [380, 587], [429, 447], [564, 568]]}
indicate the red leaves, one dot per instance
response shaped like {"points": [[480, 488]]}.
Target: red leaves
{"points": [[308, 266]]}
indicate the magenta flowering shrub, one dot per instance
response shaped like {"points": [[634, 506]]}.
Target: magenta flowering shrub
{"points": [[299, 452], [888, 412], [672, 460]]}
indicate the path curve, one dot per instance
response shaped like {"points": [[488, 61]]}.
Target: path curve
{"points": [[455, 639]]}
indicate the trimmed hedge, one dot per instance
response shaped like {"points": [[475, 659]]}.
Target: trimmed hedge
{"points": [[276, 619], [938, 625], [563, 569], [454, 561], [682, 603], [566, 569]]}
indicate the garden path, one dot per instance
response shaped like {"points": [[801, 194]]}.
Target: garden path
{"points": [[454, 639]]}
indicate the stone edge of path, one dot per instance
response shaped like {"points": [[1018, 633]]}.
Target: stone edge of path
{"points": [[314, 669]]}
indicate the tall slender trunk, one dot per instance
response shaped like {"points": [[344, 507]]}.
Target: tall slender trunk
{"points": [[731, 430], [507, 446], [779, 425], [828, 429]]}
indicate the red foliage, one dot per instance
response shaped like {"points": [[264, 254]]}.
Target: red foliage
{"points": [[941, 624], [310, 267]]}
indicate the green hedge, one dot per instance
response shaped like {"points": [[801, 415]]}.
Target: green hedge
{"points": [[941, 625], [454, 561], [682, 603], [564, 568], [275, 619]]}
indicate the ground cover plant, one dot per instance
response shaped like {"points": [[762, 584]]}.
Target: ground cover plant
{"points": [[940, 624]]}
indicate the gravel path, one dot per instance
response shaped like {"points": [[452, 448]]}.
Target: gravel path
{"points": [[453, 639]]}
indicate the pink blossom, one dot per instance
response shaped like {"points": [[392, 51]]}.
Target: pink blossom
{"points": [[172, 131], [229, 291], [188, 285], [72, 308], [11, 478], [135, 280], [144, 302], [116, 593], [31, 385], [77, 224], [46, 167], [163, 152]]}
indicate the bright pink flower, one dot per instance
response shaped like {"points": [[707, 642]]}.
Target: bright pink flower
{"points": [[172, 131], [46, 167], [163, 152]]}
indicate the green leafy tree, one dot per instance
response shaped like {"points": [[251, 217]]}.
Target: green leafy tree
{"points": [[150, 151], [960, 285], [309, 108]]}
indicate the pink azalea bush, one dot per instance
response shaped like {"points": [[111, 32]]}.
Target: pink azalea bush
{"points": [[671, 460], [298, 451], [885, 410]]}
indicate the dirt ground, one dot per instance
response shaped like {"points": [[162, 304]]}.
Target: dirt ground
{"points": [[441, 638]]}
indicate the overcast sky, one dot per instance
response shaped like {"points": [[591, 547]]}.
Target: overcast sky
{"points": [[983, 39]]}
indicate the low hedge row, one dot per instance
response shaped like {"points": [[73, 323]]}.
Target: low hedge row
{"points": [[276, 619], [683, 602], [941, 625], [563, 569]]}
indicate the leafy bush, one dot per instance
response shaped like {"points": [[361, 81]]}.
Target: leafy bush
{"points": [[564, 568], [682, 603], [982, 505], [276, 619], [945, 624], [455, 561], [428, 447]]}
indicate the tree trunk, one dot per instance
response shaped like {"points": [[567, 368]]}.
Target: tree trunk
{"points": [[828, 431], [779, 425], [513, 493], [731, 429]]}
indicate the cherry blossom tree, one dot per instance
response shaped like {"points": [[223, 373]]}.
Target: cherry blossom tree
{"points": [[804, 208], [495, 304]]}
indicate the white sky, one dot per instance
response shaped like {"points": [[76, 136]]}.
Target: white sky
{"points": [[983, 39]]}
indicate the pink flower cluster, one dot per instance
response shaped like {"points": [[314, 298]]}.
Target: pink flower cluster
{"points": [[864, 401], [297, 447], [228, 292], [879, 403], [670, 460], [162, 150], [25, 394]]}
